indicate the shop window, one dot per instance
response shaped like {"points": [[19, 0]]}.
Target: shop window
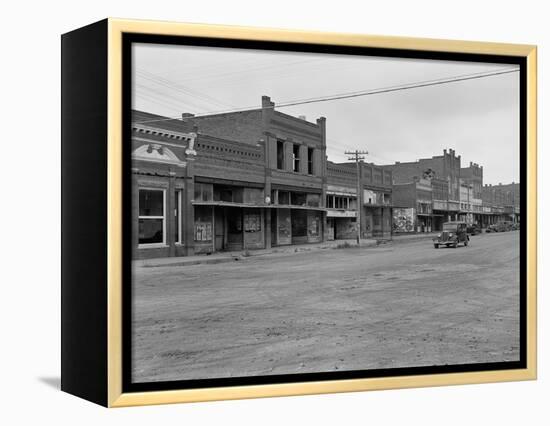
{"points": [[280, 155], [284, 197], [151, 216], [313, 200], [274, 196], [228, 194], [253, 196], [203, 192], [330, 201], [296, 157], [223, 194], [298, 198], [310, 161]]}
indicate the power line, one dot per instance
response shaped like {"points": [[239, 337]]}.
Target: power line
{"points": [[161, 81], [356, 94]]}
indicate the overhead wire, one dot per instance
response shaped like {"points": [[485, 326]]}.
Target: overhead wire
{"points": [[355, 94]]}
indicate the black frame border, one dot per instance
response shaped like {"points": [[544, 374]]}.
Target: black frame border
{"points": [[128, 386]]}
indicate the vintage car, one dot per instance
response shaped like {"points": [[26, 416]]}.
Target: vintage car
{"points": [[491, 228], [473, 229], [452, 235], [498, 227], [508, 225]]}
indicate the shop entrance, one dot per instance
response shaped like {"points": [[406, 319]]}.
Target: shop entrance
{"points": [[219, 229], [234, 228]]}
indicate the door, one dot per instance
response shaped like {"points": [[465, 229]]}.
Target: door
{"points": [[219, 229]]}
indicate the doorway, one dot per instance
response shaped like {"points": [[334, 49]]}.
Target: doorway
{"points": [[219, 229]]}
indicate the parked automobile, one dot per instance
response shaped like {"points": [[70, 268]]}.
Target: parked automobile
{"points": [[508, 226], [452, 235], [473, 229], [498, 227]]}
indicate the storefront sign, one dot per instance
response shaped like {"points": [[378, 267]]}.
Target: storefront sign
{"points": [[341, 213]]}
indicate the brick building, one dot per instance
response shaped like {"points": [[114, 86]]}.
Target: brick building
{"points": [[241, 180], [341, 201], [471, 187], [413, 201], [502, 202], [443, 171]]}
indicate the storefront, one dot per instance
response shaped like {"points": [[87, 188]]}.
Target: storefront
{"points": [[228, 217], [341, 204], [341, 225], [296, 217]]}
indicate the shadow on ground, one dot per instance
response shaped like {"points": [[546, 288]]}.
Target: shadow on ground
{"points": [[53, 382]]}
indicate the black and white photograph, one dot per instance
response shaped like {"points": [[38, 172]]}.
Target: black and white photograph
{"points": [[296, 213]]}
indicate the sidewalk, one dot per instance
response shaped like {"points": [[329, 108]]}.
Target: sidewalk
{"points": [[234, 256], [414, 237]]}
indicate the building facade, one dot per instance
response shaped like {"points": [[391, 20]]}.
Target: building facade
{"points": [[260, 178], [246, 180], [375, 201], [443, 173], [502, 203], [413, 206]]}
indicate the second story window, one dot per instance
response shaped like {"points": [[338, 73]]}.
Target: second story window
{"points": [[296, 157], [280, 155], [310, 161]]}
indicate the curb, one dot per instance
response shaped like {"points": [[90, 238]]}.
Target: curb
{"points": [[207, 260]]}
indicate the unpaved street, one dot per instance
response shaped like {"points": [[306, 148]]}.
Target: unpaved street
{"points": [[397, 305]]}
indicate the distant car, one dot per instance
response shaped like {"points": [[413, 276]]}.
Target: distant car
{"points": [[452, 235], [508, 226], [515, 226], [491, 228], [473, 229], [498, 227]]}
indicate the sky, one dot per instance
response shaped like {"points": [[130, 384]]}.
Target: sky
{"points": [[478, 118]]}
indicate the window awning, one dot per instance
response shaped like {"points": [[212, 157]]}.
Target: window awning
{"points": [[255, 206]]}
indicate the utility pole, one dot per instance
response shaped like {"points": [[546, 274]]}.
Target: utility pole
{"points": [[358, 156]]}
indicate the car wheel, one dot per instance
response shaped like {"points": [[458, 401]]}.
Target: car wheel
{"points": [[455, 245], [436, 246], [465, 243]]}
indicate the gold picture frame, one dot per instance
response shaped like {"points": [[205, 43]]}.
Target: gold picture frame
{"points": [[115, 30]]}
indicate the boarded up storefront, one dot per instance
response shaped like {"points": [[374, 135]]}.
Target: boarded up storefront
{"points": [[284, 228], [314, 234], [203, 229], [253, 229]]}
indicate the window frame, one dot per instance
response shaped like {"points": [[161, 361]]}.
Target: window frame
{"points": [[178, 215], [163, 217], [296, 158], [280, 155]]}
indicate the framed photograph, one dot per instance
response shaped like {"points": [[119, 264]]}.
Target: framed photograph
{"points": [[255, 212]]}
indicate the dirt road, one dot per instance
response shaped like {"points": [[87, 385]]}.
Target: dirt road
{"points": [[344, 309]]}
